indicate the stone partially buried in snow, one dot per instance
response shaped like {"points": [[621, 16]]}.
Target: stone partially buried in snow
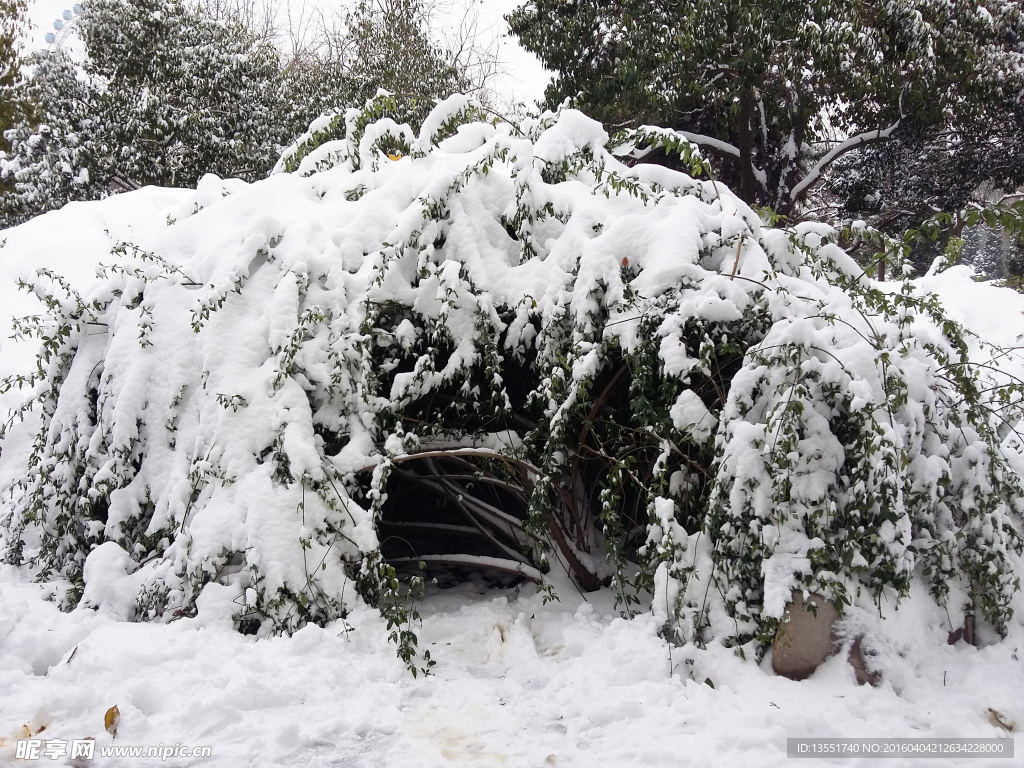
{"points": [[804, 639]]}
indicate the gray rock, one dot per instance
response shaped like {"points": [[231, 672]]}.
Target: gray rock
{"points": [[804, 639]]}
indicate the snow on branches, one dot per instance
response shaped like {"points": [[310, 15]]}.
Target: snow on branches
{"points": [[586, 361]]}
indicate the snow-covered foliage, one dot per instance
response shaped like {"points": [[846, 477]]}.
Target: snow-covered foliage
{"points": [[730, 411], [13, 20], [167, 91], [54, 158], [179, 93], [954, 166]]}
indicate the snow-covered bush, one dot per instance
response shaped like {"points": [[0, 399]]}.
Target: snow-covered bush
{"points": [[600, 364]]}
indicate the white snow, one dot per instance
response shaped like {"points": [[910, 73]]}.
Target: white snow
{"points": [[517, 683]]}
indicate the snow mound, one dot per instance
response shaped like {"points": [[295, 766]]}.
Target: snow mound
{"points": [[664, 377]]}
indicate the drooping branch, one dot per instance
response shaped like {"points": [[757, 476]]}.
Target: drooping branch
{"points": [[483, 515], [462, 530], [483, 453], [460, 499], [710, 141], [860, 140], [498, 519]]}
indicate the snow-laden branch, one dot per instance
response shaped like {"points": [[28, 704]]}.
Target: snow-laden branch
{"points": [[842, 148], [484, 453], [711, 141]]}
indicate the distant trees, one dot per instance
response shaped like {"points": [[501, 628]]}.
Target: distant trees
{"points": [[169, 91], [391, 47], [379, 44], [55, 153], [779, 91], [164, 95], [12, 22], [180, 94]]}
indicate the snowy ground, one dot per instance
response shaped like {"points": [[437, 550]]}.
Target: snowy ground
{"points": [[517, 683]]}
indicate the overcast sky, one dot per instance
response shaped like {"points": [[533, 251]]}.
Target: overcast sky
{"points": [[524, 78]]}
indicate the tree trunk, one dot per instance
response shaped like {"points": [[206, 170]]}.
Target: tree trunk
{"points": [[792, 176], [749, 187]]}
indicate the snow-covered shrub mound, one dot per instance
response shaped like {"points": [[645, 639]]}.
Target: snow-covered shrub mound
{"points": [[513, 348]]}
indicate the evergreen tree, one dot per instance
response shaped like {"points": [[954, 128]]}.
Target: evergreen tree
{"points": [[168, 92], [164, 95], [925, 168], [777, 91], [182, 95], [55, 158], [12, 22], [392, 50], [385, 44], [318, 81]]}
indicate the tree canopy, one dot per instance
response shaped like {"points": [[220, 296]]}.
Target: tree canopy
{"points": [[777, 90], [163, 95], [181, 94], [927, 168]]}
